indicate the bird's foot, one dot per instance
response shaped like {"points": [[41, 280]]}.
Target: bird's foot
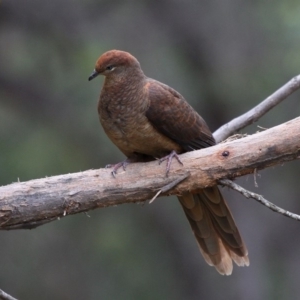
{"points": [[117, 166], [169, 158]]}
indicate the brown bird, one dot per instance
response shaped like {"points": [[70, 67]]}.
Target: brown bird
{"points": [[146, 120]]}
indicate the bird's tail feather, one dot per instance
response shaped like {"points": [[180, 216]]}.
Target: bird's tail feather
{"points": [[213, 225]]}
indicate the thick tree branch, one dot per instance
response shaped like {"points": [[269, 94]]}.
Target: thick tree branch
{"points": [[32, 203], [258, 111]]}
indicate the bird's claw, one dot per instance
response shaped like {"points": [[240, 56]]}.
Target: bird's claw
{"points": [[115, 167], [169, 158]]}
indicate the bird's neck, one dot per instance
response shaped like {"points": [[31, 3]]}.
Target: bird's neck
{"points": [[124, 80], [124, 87], [126, 92]]}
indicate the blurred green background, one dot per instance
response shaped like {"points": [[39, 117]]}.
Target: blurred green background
{"points": [[224, 57]]}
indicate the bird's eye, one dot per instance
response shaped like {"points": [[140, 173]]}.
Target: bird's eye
{"points": [[110, 68]]}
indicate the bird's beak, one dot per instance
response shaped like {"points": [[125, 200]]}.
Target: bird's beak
{"points": [[93, 75]]}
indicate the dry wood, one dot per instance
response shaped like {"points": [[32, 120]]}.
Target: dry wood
{"points": [[5, 296], [258, 111], [35, 202], [259, 198]]}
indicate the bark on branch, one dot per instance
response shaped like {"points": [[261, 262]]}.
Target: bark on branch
{"points": [[35, 202]]}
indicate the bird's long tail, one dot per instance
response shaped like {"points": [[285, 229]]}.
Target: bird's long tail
{"points": [[217, 235]]}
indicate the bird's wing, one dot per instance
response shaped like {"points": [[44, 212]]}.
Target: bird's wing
{"points": [[171, 115]]}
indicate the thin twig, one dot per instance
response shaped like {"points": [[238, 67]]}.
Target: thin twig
{"points": [[170, 185], [263, 128], [5, 296], [155, 196], [258, 111], [259, 198], [255, 175]]}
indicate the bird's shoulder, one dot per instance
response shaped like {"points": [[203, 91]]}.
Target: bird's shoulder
{"points": [[161, 92]]}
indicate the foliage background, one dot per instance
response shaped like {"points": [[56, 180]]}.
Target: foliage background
{"points": [[224, 57]]}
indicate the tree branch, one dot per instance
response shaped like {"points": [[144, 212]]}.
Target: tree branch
{"points": [[5, 296], [32, 203], [258, 111], [259, 198]]}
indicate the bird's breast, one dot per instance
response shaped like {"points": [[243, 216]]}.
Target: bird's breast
{"points": [[130, 130]]}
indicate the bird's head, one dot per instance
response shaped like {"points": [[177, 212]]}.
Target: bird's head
{"points": [[115, 63]]}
